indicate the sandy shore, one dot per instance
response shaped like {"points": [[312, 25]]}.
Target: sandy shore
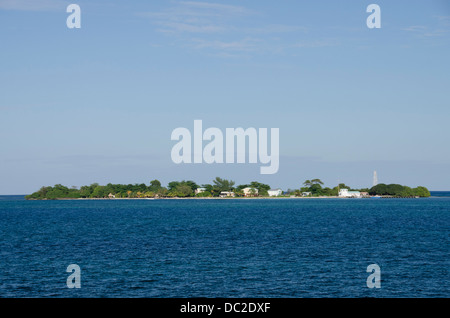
{"points": [[204, 198]]}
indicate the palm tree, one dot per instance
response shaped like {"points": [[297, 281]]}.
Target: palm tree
{"points": [[308, 183]]}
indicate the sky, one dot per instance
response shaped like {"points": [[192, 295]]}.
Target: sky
{"points": [[99, 103]]}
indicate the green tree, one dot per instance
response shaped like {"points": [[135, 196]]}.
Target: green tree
{"points": [[215, 192], [85, 191], [406, 192], [330, 192], [316, 181], [314, 186], [191, 184], [240, 187], [175, 186], [204, 194], [343, 186], [395, 189], [99, 192], [223, 184], [162, 192], [155, 185], [316, 189], [421, 192], [304, 189], [172, 185], [40, 194], [398, 190], [110, 188], [379, 189], [262, 188], [208, 187], [57, 191], [183, 190]]}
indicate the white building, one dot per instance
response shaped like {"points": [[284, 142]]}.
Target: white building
{"points": [[225, 194], [274, 192], [345, 193], [250, 192], [200, 190]]}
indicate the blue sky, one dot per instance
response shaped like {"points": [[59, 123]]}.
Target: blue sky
{"points": [[98, 104]]}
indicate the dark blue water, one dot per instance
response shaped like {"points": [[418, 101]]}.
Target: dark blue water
{"points": [[225, 248], [440, 193]]}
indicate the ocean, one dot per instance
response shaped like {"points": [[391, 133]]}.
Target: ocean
{"points": [[225, 248]]}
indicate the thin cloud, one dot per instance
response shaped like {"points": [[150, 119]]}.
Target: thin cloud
{"points": [[33, 5], [436, 33], [195, 17], [224, 8], [179, 27], [219, 29], [202, 17], [444, 20], [315, 44], [441, 28], [241, 45], [276, 28], [424, 31], [415, 28]]}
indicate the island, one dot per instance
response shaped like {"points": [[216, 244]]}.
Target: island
{"points": [[222, 188]]}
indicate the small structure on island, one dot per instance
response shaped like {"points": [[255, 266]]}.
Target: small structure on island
{"points": [[226, 194], [274, 192], [346, 193], [200, 190], [111, 196], [306, 194], [250, 192]]}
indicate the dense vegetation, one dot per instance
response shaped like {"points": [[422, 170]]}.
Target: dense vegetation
{"points": [[188, 189], [395, 190], [314, 187], [398, 190], [154, 189]]}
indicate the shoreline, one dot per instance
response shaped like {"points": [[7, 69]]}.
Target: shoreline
{"points": [[218, 198]]}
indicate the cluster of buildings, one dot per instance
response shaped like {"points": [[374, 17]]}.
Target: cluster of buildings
{"points": [[346, 193], [252, 192], [248, 192]]}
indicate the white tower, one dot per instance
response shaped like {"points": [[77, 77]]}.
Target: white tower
{"points": [[375, 178]]}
